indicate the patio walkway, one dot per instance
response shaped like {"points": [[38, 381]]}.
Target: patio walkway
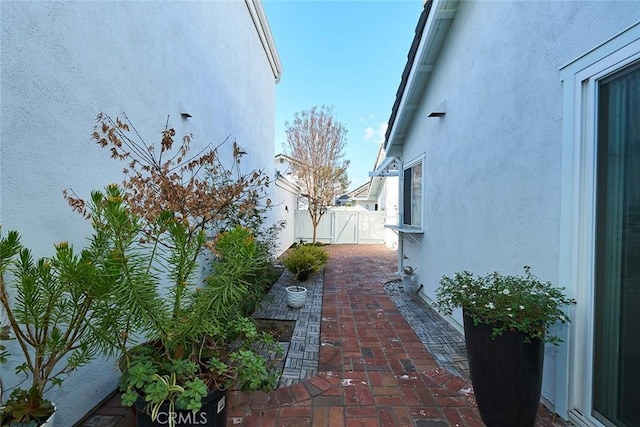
{"points": [[372, 369]]}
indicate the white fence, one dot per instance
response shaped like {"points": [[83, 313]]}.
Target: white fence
{"points": [[343, 226]]}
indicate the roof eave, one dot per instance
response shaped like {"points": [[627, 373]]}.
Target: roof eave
{"points": [[431, 31], [259, 19]]}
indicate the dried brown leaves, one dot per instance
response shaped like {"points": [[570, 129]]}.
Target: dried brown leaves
{"points": [[198, 190]]}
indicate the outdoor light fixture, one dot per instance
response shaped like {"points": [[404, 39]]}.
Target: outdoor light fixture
{"points": [[185, 115], [439, 111]]}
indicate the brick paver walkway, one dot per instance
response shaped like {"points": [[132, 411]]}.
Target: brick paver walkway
{"points": [[373, 370]]}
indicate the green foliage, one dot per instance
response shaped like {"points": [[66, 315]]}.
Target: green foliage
{"points": [[519, 303], [54, 316], [317, 251], [239, 253], [253, 373], [191, 327], [303, 260], [138, 283], [160, 378], [5, 335], [26, 408]]}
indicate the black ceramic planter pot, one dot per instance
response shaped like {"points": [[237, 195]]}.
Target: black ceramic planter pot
{"points": [[212, 414], [506, 374]]}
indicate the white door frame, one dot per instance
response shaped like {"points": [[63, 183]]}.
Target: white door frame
{"points": [[574, 375]]}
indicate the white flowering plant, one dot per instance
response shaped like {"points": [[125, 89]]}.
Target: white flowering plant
{"points": [[508, 303]]}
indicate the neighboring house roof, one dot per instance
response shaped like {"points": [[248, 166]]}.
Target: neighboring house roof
{"points": [[289, 172], [284, 182], [431, 31], [361, 192], [281, 159], [285, 157]]}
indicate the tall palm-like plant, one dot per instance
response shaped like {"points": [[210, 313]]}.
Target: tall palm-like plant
{"points": [[58, 311]]}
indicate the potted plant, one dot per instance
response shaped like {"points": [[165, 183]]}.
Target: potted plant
{"points": [[506, 323], [206, 348], [55, 309], [183, 333], [302, 261]]}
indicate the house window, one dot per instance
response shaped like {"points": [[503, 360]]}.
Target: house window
{"points": [[412, 195]]}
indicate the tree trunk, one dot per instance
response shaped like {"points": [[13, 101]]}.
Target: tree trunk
{"points": [[315, 220]]}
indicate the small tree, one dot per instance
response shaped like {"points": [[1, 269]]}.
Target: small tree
{"points": [[168, 202], [154, 229], [316, 143]]}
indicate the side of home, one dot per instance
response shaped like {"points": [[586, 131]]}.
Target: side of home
{"points": [[515, 136], [204, 68]]}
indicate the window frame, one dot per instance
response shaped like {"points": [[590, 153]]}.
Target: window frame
{"points": [[408, 171]]}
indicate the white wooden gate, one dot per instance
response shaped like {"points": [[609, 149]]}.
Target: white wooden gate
{"points": [[342, 226], [345, 228]]}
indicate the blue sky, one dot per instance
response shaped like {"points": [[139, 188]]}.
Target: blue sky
{"points": [[345, 54]]}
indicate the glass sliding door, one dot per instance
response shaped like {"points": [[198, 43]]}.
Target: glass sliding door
{"points": [[616, 369]]}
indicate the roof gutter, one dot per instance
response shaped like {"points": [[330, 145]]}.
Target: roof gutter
{"points": [[259, 19], [430, 33]]}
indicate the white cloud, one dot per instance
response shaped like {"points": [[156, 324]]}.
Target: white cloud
{"points": [[376, 135], [369, 133]]}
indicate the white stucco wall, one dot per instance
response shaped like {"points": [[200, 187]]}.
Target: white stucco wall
{"points": [[284, 196], [493, 163], [63, 63]]}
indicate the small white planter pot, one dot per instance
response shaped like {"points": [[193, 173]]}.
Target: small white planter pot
{"points": [[296, 296]]}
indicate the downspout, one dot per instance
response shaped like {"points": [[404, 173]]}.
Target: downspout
{"points": [[400, 215]]}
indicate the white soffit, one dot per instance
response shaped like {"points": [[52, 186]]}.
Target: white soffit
{"points": [[435, 30]]}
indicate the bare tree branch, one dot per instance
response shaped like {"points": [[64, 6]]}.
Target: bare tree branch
{"points": [[316, 143]]}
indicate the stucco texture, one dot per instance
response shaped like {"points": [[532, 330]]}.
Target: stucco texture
{"points": [[493, 162], [64, 62]]}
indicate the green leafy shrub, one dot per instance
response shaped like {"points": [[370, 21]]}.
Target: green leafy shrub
{"points": [[317, 251], [26, 408], [239, 250], [158, 225], [518, 303], [305, 259], [195, 332]]}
